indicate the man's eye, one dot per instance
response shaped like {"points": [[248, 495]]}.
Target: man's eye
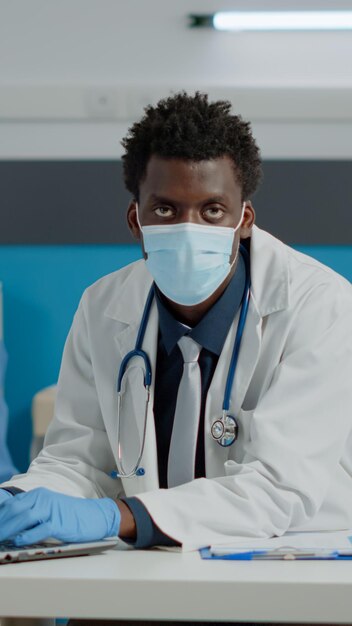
{"points": [[214, 212], [163, 211]]}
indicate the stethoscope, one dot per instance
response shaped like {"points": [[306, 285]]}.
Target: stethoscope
{"points": [[224, 429]]}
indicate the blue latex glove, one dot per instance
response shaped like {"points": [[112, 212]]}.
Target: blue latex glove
{"points": [[36, 515], [4, 495]]}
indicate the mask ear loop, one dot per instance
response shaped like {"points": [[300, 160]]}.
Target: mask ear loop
{"points": [[241, 218], [234, 231], [137, 216], [141, 229]]}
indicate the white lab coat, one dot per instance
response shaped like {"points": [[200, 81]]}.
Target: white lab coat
{"points": [[291, 468]]}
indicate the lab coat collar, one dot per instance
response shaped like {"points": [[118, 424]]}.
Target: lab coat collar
{"points": [[127, 304], [269, 272], [269, 277]]}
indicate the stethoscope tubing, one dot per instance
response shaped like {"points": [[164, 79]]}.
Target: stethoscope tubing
{"points": [[239, 333], [137, 351]]}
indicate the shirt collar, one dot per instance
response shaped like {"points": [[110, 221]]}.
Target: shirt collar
{"points": [[212, 329]]}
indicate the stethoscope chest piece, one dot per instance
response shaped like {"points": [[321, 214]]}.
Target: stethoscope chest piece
{"points": [[225, 430]]}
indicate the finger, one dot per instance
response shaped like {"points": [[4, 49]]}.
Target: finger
{"points": [[35, 535], [17, 515], [15, 525], [17, 505]]}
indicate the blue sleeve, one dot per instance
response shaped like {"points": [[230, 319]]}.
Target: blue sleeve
{"points": [[148, 533], [13, 490]]}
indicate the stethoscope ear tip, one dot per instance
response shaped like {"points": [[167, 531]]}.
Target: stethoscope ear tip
{"points": [[139, 472]]}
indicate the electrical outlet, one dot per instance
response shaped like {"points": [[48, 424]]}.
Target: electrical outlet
{"points": [[104, 103]]}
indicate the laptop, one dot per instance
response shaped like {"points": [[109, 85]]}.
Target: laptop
{"points": [[53, 549]]}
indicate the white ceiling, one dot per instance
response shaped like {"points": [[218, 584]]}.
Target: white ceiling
{"points": [[119, 41], [58, 57]]}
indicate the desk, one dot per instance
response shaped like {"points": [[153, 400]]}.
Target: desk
{"points": [[158, 585]]}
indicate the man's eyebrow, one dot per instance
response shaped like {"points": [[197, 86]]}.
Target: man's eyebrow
{"points": [[212, 199], [217, 199], [157, 198]]}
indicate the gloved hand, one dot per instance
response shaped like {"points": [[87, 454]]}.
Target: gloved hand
{"points": [[36, 515], [4, 495]]}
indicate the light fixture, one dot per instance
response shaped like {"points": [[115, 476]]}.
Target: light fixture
{"points": [[274, 20]]}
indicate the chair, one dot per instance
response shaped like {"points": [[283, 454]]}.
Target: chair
{"points": [[43, 404]]}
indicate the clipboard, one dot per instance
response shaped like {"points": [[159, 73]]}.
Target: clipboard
{"points": [[279, 554], [292, 546]]}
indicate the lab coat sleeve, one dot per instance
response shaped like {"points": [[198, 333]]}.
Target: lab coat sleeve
{"points": [[297, 436], [77, 457], [147, 533]]}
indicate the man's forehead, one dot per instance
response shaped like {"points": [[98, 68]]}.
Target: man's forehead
{"points": [[215, 176]]}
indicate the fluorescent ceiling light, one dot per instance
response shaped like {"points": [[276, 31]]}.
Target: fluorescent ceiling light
{"points": [[276, 20]]}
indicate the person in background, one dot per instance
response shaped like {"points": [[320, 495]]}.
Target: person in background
{"points": [[7, 468], [211, 287]]}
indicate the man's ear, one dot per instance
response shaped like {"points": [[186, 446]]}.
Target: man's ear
{"points": [[248, 220], [132, 220]]}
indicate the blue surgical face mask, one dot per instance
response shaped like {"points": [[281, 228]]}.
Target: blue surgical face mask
{"points": [[189, 261]]}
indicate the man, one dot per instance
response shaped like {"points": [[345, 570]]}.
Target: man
{"points": [[192, 167]]}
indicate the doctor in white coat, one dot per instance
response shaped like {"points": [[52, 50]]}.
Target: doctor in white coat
{"points": [[191, 162]]}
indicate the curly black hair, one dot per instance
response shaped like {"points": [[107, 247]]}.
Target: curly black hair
{"points": [[191, 128]]}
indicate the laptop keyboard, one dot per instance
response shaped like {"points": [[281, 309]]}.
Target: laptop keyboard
{"points": [[6, 546]]}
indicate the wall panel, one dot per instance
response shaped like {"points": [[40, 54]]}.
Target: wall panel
{"points": [[84, 202]]}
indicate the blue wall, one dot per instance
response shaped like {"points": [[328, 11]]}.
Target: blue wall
{"points": [[42, 286]]}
